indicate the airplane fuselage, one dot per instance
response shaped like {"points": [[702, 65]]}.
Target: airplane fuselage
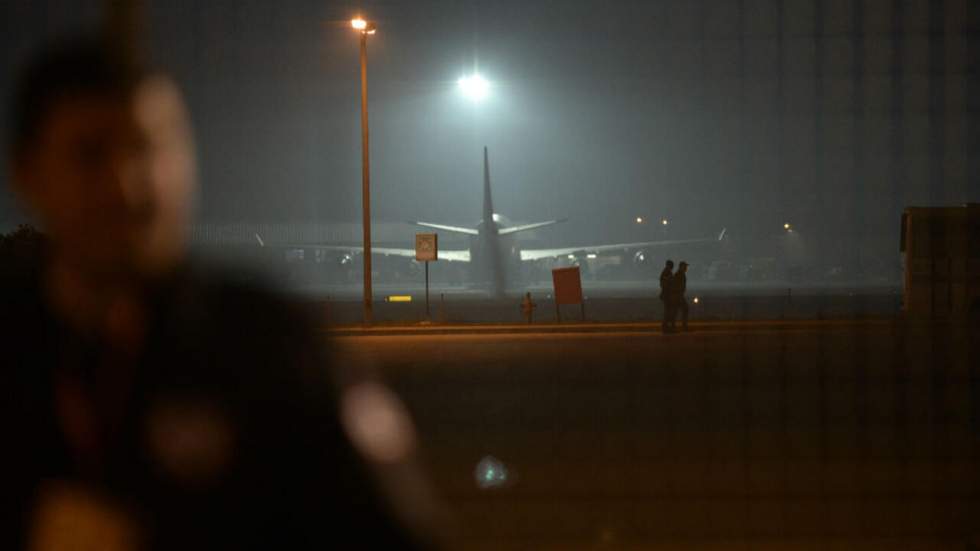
{"points": [[494, 258]]}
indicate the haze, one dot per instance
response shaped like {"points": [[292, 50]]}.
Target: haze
{"points": [[744, 115]]}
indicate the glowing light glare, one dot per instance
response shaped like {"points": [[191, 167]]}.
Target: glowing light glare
{"points": [[377, 423], [591, 256], [664, 221], [696, 300], [786, 226], [639, 219], [358, 24], [491, 473], [474, 87]]}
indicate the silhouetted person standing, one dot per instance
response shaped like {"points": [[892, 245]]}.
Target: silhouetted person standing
{"points": [[148, 405], [677, 302], [665, 275], [527, 308]]}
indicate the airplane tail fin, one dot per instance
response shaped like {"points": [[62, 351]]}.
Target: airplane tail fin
{"points": [[487, 199]]}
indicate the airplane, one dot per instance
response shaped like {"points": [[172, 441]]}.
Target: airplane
{"points": [[493, 252]]}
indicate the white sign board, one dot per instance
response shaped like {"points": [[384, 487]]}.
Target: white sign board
{"points": [[426, 247]]}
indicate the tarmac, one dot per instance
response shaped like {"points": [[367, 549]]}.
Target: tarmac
{"points": [[762, 435], [408, 329], [852, 432]]}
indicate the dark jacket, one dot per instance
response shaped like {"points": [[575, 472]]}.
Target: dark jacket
{"points": [[665, 277], [677, 287], [228, 367]]}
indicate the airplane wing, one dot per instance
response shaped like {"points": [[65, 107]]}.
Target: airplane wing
{"points": [[450, 255], [525, 227], [537, 254], [454, 229]]}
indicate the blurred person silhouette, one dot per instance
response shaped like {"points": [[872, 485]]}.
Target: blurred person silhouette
{"points": [[665, 276], [527, 308], [149, 404], [676, 301]]}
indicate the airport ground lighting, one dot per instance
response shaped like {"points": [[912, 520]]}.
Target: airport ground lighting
{"points": [[365, 28], [474, 87]]}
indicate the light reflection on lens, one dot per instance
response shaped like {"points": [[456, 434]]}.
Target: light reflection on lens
{"points": [[490, 473]]}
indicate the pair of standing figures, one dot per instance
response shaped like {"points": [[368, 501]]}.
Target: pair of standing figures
{"points": [[673, 285]]}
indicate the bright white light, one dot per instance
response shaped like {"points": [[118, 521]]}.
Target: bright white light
{"points": [[787, 226], [571, 257], [639, 219], [358, 24], [696, 300], [664, 221], [474, 87], [591, 256]]}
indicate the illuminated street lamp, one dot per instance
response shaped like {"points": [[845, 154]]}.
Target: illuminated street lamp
{"points": [[474, 87], [365, 28]]}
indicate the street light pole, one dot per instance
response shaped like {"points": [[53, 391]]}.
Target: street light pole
{"points": [[365, 29]]}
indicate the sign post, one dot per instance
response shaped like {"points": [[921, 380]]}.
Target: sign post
{"points": [[426, 250], [568, 289]]}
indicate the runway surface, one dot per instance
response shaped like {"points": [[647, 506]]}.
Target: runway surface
{"points": [[840, 436]]}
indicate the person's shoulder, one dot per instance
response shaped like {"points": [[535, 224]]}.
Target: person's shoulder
{"points": [[21, 303], [26, 327], [242, 328], [222, 294]]}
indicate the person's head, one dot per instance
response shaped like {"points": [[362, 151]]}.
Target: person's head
{"points": [[682, 267], [669, 264], [101, 154]]}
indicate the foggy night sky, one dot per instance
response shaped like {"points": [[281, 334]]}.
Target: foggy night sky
{"points": [[599, 111]]}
